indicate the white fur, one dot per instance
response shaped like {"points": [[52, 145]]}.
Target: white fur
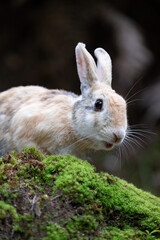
{"points": [[60, 122], [104, 66]]}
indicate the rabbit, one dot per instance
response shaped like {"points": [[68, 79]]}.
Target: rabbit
{"points": [[61, 122]]}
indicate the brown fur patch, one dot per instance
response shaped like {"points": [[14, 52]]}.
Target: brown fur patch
{"points": [[118, 110]]}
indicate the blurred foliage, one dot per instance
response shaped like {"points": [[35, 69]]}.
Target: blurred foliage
{"points": [[146, 169]]}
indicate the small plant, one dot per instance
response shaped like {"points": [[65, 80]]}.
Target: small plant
{"points": [[150, 235]]}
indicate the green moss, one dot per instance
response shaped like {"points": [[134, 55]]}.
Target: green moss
{"points": [[62, 197], [5, 208], [5, 190], [112, 233], [79, 181], [56, 232], [2, 171], [33, 152], [82, 224]]}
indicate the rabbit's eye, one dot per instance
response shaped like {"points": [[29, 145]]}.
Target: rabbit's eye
{"points": [[98, 105]]}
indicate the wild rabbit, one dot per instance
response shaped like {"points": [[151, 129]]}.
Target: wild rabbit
{"points": [[61, 122]]}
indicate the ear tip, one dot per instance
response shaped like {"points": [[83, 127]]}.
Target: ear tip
{"points": [[100, 51], [80, 45]]}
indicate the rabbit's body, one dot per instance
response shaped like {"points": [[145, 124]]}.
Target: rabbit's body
{"points": [[25, 120], [60, 122]]}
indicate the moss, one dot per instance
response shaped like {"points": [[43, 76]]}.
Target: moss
{"points": [[79, 181], [55, 232], [5, 208], [81, 225], [62, 197], [33, 152], [112, 233]]}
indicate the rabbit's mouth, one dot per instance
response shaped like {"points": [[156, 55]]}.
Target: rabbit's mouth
{"points": [[108, 145]]}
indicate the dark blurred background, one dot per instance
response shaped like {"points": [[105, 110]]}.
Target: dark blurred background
{"points": [[37, 41]]}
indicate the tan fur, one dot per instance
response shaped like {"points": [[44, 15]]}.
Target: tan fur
{"points": [[116, 104], [118, 110], [60, 122]]}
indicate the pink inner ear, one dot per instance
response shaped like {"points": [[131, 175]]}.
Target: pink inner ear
{"points": [[79, 59], [80, 65], [85, 65]]}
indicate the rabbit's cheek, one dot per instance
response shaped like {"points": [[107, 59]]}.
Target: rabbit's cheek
{"points": [[118, 112], [88, 124]]}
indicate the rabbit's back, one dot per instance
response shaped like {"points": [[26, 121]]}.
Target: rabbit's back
{"points": [[60, 122], [29, 114], [12, 99]]}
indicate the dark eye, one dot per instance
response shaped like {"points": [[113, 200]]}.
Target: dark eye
{"points": [[98, 105]]}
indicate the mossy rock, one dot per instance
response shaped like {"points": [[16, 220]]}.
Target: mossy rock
{"points": [[63, 198]]}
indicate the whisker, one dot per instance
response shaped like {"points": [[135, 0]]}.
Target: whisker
{"points": [[142, 135], [132, 87], [123, 151], [133, 95], [134, 100], [120, 154], [139, 135], [142, 132], [128, 146], [81, 143], [136, 143]]}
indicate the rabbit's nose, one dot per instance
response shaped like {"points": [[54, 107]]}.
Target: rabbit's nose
{"points": [[119, 136]]}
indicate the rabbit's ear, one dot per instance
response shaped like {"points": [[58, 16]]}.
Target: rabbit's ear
{"points": [[104, 66], [86, 67]]}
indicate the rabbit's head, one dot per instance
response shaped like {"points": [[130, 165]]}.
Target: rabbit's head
{"points": [[100, 115]]}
